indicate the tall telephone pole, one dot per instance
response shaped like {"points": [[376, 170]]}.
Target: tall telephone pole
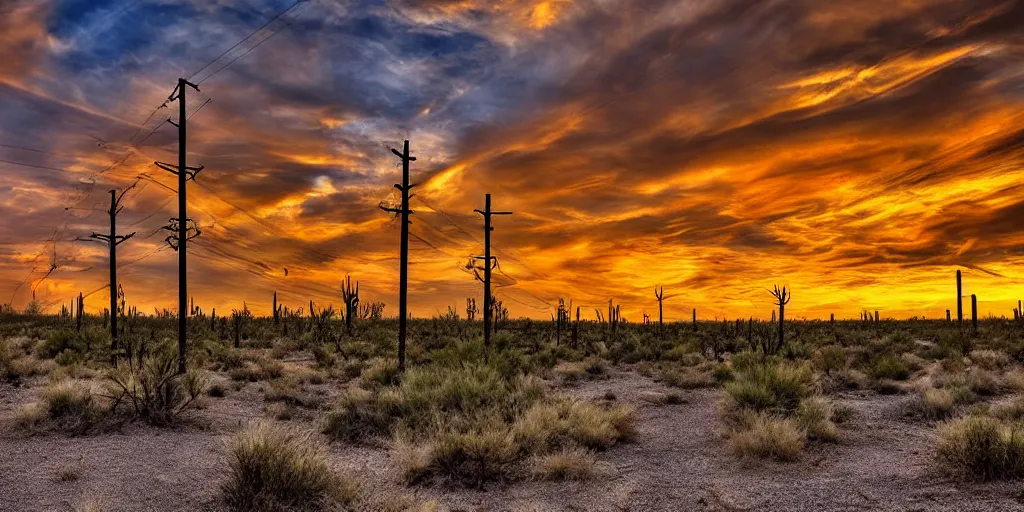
{"points": [[489, 263], [113, 240], [403, 272], [180, 226]]}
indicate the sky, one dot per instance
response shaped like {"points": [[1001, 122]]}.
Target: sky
{"points": [[859, 152]]}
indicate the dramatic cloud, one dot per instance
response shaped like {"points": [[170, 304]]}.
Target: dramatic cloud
{"points": [[858, 151]]}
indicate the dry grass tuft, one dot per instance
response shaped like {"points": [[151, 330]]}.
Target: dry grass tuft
{"points": [[937, 404], [768, 437], [567, 464], [277, 468], [814, 416], [982, 448]]}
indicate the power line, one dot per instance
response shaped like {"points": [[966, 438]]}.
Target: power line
{"points": [[276, 17], [44, 167]]}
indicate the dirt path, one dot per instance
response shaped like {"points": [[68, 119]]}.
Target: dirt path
{"points": [[677, 462]]}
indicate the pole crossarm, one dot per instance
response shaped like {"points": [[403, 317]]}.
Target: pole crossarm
{"points": [[190, 171]]}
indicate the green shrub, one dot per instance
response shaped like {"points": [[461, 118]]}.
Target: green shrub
{"points": [[830, 359], [771, 387], [381, 372], [59, 341], [275, 468], [891, 367], [469, 424]]}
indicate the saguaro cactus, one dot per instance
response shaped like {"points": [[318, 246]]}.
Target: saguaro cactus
{"points": [[974, 313], [276, 311], [575, 329], [782, 297], [471, 309], [79, 312], [351, 297]]}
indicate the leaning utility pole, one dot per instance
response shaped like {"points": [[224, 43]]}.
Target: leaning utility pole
{"points": [[489, 264], [403, 271], [179, 227], [113, 240]]}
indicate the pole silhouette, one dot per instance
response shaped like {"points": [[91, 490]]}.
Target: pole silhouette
{"points": [[959, 299], [179, 227], [403, 272], [112, 240], [660, 295], [489, 263]]}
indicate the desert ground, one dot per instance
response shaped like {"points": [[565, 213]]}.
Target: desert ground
{"points": [[850, 415]]}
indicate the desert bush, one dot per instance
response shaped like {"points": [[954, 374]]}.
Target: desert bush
{"points": [[15, 370], [689, 377], [361, 415], [277, 468], [58, 341], [982, 448], [1009, 411], [557, 424], [30, 418], [890, 367], [68, 406], [381, 372], [771, 387], [151, 386], [768, 437], [566, 464], [990, 359], [262, 368], [470, 424], [485, 452], [830, 359], [936, 404], [570, 371], [814, 416], [984, 382]]}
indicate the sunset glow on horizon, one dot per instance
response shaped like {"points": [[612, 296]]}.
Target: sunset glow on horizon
{"points": [[859, 152]]}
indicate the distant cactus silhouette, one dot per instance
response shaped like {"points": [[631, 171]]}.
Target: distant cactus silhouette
{"points": [[575, 329], [782, 297], [471, 309], [238, 318], [974, 313], [351, 297]]}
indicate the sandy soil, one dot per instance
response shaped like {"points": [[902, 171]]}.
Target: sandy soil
{"points": [[677, 462]]}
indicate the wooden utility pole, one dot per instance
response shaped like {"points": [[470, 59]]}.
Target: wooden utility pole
{"points": [[112, 240], [959, 299], [489, 264], [403, 271], [660, 295], [180, 227]]}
